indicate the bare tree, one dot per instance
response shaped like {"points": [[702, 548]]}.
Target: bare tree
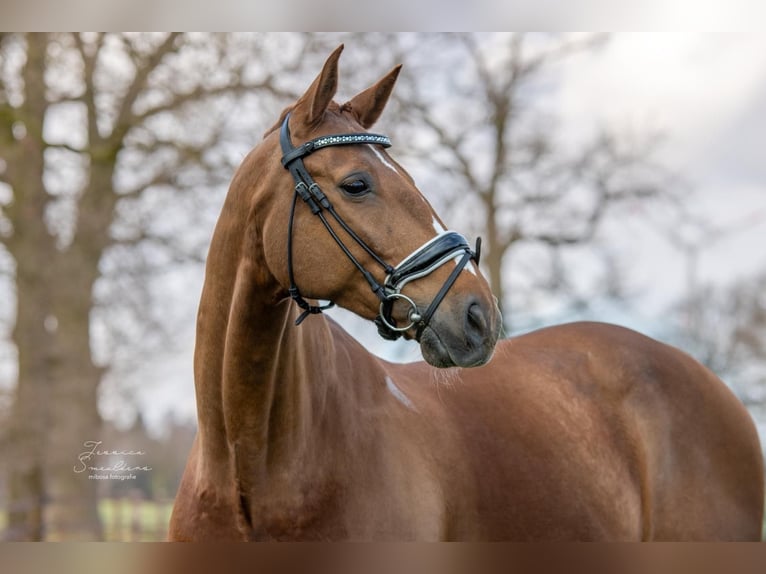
{"points": [[98, 132], [495, 156], [725, 328]]}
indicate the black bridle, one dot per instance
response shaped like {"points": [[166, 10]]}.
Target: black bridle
{"points": [[445, 247]]}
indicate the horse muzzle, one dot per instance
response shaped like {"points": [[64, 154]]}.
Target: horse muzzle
{"points": [[463, 335]]}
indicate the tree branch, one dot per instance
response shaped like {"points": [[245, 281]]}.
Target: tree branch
{"points": [[64, 99], [187, 156], [90, 61], [3, 94], [66, 147], [123, 122], [4, 220], [565, 48], [177, 253], [202, 92], [449, 143], [162, 177]]}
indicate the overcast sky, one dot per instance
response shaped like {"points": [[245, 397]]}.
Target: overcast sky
{"points": [[707, 94]]}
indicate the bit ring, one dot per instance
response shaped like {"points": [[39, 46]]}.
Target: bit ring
{"points": [[414, 315]]}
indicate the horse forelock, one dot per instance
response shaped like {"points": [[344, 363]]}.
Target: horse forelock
{"points": [[333, 108]]}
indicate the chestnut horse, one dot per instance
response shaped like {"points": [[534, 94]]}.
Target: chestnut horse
{"points": [[579, 432]]}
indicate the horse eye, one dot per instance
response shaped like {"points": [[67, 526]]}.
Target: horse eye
{"points": [[355, 187]]}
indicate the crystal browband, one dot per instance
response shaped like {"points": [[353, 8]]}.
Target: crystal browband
{"points": [[333, 140], [351, 139]]}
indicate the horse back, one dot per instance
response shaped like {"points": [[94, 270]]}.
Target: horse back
{"points": [[591, 431]]}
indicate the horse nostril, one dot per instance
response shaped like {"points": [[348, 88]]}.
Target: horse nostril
{"points": [[476, 324]]}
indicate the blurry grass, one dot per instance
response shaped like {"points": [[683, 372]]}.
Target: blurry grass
{"points": [[146, 521], [127, 520]]}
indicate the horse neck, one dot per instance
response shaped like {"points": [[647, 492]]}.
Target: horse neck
{"points": [[256, 405]]}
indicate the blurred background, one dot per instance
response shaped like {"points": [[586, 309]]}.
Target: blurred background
{"points": [[617, 178]]}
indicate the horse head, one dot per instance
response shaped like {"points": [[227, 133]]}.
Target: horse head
{"points": [[341, 220]]}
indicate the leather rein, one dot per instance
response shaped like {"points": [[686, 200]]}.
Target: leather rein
{"points": [[446, 246]]}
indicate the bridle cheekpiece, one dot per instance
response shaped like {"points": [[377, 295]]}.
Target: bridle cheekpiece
{"points": [[446, 246]]}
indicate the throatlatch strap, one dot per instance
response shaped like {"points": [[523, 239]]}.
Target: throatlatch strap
{"points": [[295, 294]]}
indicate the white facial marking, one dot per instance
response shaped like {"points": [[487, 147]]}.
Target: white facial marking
{"points": [[382, 158], [398, 394], [438, 227], [471, 267]]}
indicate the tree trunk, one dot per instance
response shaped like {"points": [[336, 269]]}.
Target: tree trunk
{"points": [[31, 247], [494, 264], [29, 418], [493, 260], [55, 410], [55, 407], [72, 510]]}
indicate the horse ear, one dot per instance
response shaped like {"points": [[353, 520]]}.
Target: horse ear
{"points": [[367, 106], [311, 105]]}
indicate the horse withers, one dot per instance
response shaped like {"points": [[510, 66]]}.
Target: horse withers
{"points": [[580, 432]]}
